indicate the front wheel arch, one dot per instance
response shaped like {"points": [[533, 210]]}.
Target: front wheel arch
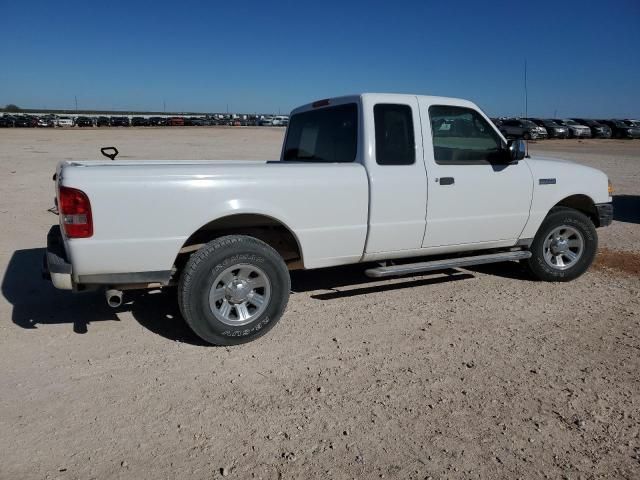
{"points": [[582, 203]]}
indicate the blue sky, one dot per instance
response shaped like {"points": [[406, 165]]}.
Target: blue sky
{"points": [[583, 56]]}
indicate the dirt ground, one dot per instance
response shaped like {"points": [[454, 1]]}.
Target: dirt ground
{"points": [[474, 373]]}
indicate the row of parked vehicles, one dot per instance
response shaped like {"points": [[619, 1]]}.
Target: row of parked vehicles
{"points": [[139, 121], [540, 128]]}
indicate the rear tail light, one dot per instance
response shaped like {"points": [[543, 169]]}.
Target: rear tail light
{"points": [[75, 213]]}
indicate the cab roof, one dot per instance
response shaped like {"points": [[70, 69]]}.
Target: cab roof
{"points": [[371, 97]]}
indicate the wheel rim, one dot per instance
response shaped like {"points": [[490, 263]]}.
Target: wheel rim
{"points": [[240, 294], [563, 247]]}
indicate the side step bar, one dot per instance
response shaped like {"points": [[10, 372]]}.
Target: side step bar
{"points": [[420, 267]]}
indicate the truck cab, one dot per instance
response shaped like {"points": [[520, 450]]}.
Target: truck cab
{"points": [[375, 179]]}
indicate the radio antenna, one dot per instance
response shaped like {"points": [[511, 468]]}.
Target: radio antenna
{"points": [[526, 106]]}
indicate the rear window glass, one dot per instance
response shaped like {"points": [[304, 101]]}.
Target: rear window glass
{"points": [[324, 135]]}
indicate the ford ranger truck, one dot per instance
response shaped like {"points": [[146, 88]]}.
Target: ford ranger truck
{"points": [[381, 180]]}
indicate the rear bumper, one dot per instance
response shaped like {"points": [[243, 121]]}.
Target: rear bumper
{"points": [[605, 214], [558, 133], [602, 134], [56, 266], [581, 133]]}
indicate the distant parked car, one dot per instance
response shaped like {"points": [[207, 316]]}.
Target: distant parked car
{"points": [[103, 122], [576, 130], [266, 121], [7, 121], [84, 122], [157, 121], [140, 122], [175, 121], [194, 121], [25, 121], [620, 129], [280, 121], [46, 122], [64, 122], [553, 129], [517, 128], [598, 130], [632, 123], [120, 121]]}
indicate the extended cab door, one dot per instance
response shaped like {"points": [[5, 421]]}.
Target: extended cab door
{"points": [[397, 176], [474, 196]]}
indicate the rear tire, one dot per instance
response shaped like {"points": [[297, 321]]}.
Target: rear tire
{"points": [[564, 246], [233, 290]]}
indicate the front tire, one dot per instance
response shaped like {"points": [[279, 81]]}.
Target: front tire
{"points": [[233, 290], [564, 246]]}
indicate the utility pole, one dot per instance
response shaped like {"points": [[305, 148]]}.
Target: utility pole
{"points": [[76, 99], [164, 106]]}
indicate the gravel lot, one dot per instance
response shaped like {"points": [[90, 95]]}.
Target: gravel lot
{"points": [[479, 373]]}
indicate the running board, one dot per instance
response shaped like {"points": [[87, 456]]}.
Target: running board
{"points": [[409, 268]]}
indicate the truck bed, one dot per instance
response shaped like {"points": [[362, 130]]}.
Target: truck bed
{"points": [[144, 211]]}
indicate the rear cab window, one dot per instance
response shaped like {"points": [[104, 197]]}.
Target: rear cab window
{"points": [[395, 142], [326, 135]]}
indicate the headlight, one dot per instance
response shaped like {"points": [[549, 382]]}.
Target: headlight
{"points": [[610, 187]]}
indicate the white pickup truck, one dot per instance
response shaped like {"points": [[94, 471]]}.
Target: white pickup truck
{"points": [[376, 179]]}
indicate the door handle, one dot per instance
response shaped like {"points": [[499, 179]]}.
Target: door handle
{"points": [[447, 181]]}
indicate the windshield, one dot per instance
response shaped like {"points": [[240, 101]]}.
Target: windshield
{"points": [[325, 135], [550, 123], [571, 122]]}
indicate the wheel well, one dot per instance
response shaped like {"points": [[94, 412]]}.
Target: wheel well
{"points": [[269, 230], [583, 204]]}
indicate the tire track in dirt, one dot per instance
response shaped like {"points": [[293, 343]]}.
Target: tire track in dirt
{"points": [[621, 261]]}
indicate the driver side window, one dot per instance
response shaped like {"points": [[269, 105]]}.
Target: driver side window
{"points": [[462, 136]]}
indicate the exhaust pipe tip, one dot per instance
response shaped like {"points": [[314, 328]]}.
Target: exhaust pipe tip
{"points": [[114, 298]]}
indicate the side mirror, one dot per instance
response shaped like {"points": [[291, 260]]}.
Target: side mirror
{"points": [[517, 149]]}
